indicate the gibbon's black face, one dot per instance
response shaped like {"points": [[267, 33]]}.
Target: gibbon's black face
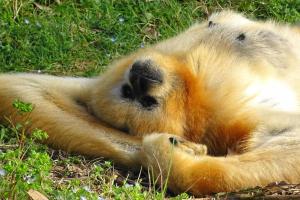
{"points": [[143, 94], [142, 77]]}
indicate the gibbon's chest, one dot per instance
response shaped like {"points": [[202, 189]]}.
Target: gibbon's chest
{"points": [[272, 94]]}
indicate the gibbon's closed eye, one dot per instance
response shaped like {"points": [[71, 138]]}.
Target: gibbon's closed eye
{"points": [[127, 92], [148, 102]]}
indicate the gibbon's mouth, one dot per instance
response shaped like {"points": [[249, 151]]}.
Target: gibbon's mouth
{"points": [[145, 71]]}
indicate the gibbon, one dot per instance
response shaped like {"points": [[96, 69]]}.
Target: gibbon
{"points": [[215, 108]]}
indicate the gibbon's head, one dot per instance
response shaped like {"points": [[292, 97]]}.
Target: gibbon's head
{"points": [[151, 92]]}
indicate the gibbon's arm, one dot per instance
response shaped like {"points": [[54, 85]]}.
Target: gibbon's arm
{"points": [[202, 174], [59, 110], [273, 155]]}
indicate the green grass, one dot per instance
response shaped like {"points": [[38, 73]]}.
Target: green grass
{"points": [[80, 38]]}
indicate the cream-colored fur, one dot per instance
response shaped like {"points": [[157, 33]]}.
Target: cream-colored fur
{"points": [[227, 115]]}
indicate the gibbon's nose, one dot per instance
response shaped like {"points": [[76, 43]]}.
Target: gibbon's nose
{"points": [[143, 75]]}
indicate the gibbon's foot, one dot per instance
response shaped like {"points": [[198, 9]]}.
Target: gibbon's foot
{"points": [[164, 146], [187, 147], [185, 166], [168, 156]]}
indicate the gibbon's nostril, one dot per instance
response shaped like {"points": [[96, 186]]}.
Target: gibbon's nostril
{"points": [[173, 140], [143, 75]]}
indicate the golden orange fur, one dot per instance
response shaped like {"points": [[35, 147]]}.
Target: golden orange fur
{"points": [[215, 108]]}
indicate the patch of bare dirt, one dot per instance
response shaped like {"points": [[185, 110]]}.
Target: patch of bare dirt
{"points": [[275, 190]]}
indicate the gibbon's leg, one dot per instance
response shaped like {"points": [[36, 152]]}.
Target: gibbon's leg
{"points": [[58, 109], [273, 155]]}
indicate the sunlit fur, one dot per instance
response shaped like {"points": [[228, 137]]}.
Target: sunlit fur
{"points": [[229, 101]]}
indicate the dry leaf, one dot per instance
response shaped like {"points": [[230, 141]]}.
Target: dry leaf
{"points": [[35, 195], [41, 7]]}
